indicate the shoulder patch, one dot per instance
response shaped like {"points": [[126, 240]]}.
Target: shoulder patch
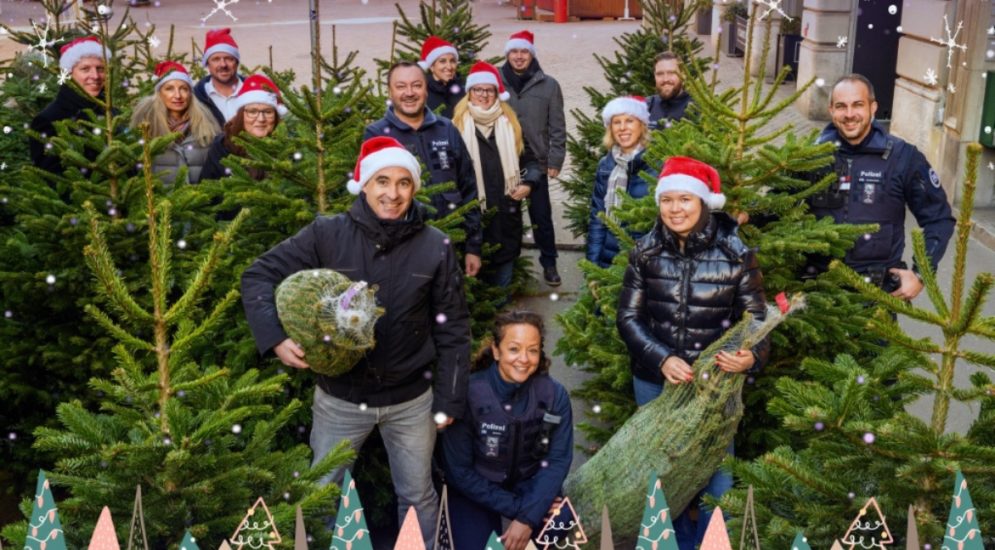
{"points": [[934, 178]]}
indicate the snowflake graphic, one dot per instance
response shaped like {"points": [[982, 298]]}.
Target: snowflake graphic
{"points": [[153, 42], [42, 87], [950, 42], [43, 42], [930, 77], [991, 165], [841, 41], [222, 6], [3, 165], [951, 88], [64, 76], [772, 6]]}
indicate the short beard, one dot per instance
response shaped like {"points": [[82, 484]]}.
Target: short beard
{"points": [[676, 92]]}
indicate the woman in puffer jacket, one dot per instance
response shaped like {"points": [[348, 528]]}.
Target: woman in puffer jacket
{"points": [[626, 120], [688, 280]]}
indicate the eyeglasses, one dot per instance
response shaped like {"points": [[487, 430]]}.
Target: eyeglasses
{"points": [[483, 92], [256, 113]]}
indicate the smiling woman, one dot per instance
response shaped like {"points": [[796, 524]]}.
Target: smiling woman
{"points": [[172, 109]]}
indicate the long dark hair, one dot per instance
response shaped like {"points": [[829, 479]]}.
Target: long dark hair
{"points": [[485, 356], [235, 127]]}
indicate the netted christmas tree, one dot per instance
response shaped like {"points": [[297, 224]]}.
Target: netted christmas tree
{"points": [[854, 438], [199, 435], [763, 167]]}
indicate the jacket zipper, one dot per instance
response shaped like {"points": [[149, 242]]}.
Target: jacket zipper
{"points": [[685, 290]]}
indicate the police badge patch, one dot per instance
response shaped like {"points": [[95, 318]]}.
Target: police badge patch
{"points": [[934, 178]]}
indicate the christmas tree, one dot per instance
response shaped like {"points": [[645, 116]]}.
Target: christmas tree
{"points": [[749, 539], [137, 539], [962, 530], [256, 530], [444, 530], [104, 537], [606, 531], [716, 537], [44, 529], [410, 537], [350, 532], [562, 530], [494, 543], [656, 532], [300, 531], [188, 542], [763, 174], [847, 415], [869, 529], [912, 531], [800, 543]]}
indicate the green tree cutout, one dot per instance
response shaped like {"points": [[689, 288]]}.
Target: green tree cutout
{"points": [[962, 532], [44, 530], [350, 531], [800, 543], [656, 531], [188, 542]]}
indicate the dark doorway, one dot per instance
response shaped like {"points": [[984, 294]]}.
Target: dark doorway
{"points": [[875, 48]]}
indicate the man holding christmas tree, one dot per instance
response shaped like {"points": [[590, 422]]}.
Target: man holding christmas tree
{"points": [[538, 101], [671, 99], [878, 175], [437, 142], [383, 240], [218, 91]]}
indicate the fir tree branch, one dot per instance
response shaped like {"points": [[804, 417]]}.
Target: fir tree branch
{"points": [[116, 330], [928, 274], [180, 345], [98, 258], [848, 276], [973, 305]]}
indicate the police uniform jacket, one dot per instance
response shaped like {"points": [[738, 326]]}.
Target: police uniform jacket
{"points": [[439, 146], [667, 109], [876, 180]]}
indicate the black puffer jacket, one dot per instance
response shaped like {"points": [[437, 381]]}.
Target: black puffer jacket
{"points": [[677, 303], [444, 93], [418, 282]]}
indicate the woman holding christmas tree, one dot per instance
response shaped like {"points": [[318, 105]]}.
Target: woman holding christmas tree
{"points": [[172, 108], [626, 120], [688, 280], [260, 109], [509, 454], [504, 166], [445, 86]]}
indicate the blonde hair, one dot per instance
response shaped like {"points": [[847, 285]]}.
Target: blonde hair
{"points": [[150, 109], [463, 108], [609, 140]]}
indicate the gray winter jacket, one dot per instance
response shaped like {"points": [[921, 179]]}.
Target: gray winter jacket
{"points": [[539, 107], [186, 153]]}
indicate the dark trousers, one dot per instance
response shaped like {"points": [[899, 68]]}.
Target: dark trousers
{"points": [[541, 215], [472, 523]]}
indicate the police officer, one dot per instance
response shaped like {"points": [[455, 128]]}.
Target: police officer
{"points": [[437, 143], [878, 175]]}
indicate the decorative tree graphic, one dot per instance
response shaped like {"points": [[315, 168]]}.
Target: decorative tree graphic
{"points": [[137, 539], [800, 542], [257, 529], [656, 532], [962, 526], [350, 532], [104, 537], [410, 537], [749, 540], [443, 529], [868, 532], [300, 532], [494, 543], [606, 531], [44, 527], [563, 530], [716, 536], [912, 531], [188, 542]]}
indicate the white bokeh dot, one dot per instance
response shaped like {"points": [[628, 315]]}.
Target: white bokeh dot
{"points": [[50, 279], [893, 9], [236, 429]]}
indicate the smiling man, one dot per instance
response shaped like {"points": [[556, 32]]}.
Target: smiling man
{"points": [[218, 90], [671, 99], [878, 175], [384, 241], [438, 144]]}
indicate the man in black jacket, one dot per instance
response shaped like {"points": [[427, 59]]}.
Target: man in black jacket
{"points": [[218, 90], [438, 144], [671, 99], [382, 240]]}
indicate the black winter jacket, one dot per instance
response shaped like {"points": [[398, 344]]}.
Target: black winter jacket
{"points": [[213, 169], [68, 103], [663, 110], [439, 146], [503, 218], [444, 93], [678, 303], [418, 282]]}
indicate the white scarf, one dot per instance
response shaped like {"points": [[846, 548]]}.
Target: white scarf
{"points": [[488, 121]]}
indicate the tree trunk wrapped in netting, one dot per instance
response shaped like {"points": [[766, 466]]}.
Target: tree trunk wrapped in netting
{"points": [[330, 316], [682, 436]]}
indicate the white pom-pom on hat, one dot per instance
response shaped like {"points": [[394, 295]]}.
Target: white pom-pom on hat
{"points": [[378, 153]]}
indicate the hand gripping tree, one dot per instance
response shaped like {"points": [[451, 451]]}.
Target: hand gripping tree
{"points": [[199, 438], [855, 435]]}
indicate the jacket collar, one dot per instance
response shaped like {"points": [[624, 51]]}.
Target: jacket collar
{"points": [[69, 96], [720, 230], [430, 120], [877, 138], [386, 234]]}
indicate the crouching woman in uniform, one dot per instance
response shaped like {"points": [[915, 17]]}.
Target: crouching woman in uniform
{"points": [[508, 457]]}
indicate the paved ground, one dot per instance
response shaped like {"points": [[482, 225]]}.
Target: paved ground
{"points": [[565, 51]]}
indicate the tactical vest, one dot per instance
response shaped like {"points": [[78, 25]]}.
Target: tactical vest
{"points": [[509, 448], [868, 189]]}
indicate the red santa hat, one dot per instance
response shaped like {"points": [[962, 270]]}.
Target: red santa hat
{"points": [[483, 73], [632, 105], [259, 89], [171, 70], [382, 152], [85, 46], [691, 176], [434, 48], [219, 41], [521, 40]]}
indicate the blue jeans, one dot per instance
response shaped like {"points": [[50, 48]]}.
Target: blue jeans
{"points": [[499, 275], [408, 434], [689, 532]]}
